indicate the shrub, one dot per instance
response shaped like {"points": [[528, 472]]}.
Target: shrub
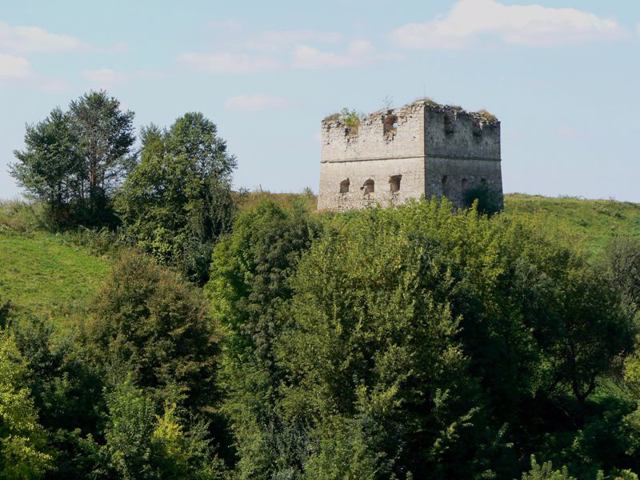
{"points": [[150, 321]]}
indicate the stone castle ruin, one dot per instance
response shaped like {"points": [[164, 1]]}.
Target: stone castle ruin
{"points": [[421, 149]]}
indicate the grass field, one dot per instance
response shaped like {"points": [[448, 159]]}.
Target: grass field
{"points": [[40, 274], [589, 224]]}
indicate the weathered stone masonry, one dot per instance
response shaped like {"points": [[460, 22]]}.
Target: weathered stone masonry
{"points": [[421, 149]]}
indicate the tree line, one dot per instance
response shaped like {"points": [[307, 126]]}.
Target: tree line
{"points": [[171, 197], [406, 343]]}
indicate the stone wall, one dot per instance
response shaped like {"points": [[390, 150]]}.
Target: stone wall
{"points": [[462, 152], [421, 149], [382, 172]]}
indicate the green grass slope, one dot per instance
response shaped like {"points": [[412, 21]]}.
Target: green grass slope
{"points": [[588, 224], [42, 275]]}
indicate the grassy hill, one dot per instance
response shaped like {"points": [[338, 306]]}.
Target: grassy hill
{"points": [[49, 276], [590, 224], [42, 275]]}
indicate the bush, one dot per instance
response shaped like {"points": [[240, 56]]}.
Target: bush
{"points": [[249, 285], [440, 328], [142, 445], [23, 450], [150, 321]]}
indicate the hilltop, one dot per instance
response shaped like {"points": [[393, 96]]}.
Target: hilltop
{"points": [[51, 276]]}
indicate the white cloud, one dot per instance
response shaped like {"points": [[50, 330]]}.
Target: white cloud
{"points": [[531, 25], [255, 102], [358, 53], [26, 39], [104, 77], [225, 62], [14, 68], [312, 58]]}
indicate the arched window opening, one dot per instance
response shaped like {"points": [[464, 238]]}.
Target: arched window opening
{"points": [[368, 187], [444, 181], [465, 184], [344, 186], [394, 183]]}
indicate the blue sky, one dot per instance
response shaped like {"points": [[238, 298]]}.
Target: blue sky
{"points": [[562, 76]]}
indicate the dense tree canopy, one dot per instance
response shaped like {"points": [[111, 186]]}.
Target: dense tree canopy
{"points": [[249, 285], [152, 323], [74, 160], [177, 201], [269, 342], [50, 167]]}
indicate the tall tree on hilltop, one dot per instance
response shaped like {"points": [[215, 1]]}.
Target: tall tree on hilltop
{"points": [[49, 167], [105, 137], [177, 201], [74, 161]]}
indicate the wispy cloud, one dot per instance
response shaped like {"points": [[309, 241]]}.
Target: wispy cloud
{"points": [[530, 25], [13, 67], [243, 51], [255, 102], [227, 62], [358, 53], [29, 39]]}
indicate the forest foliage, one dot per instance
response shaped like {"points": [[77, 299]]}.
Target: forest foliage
{"points": [[222, 336]]}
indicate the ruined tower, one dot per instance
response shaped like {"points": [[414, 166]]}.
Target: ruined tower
{"points": [[421, 149]]}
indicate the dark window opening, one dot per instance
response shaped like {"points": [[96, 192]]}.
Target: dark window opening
{"points": [[344, 186], [483, 181], [448, 124], [394, 183], [390, 125], [444, 184], [368, 187], [477, 129], [465, 184]]}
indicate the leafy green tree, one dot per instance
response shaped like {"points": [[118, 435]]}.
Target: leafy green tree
{"points": [[50, 168], [150, 321], [546, 472], [372, 340], [75, 160], [131, 423], [67, 393], [66, 389], [177, 201], [104, 136], [142, 445], [622, 266], [249, 285], [23, 453], [443, 329], [185, 453]]}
